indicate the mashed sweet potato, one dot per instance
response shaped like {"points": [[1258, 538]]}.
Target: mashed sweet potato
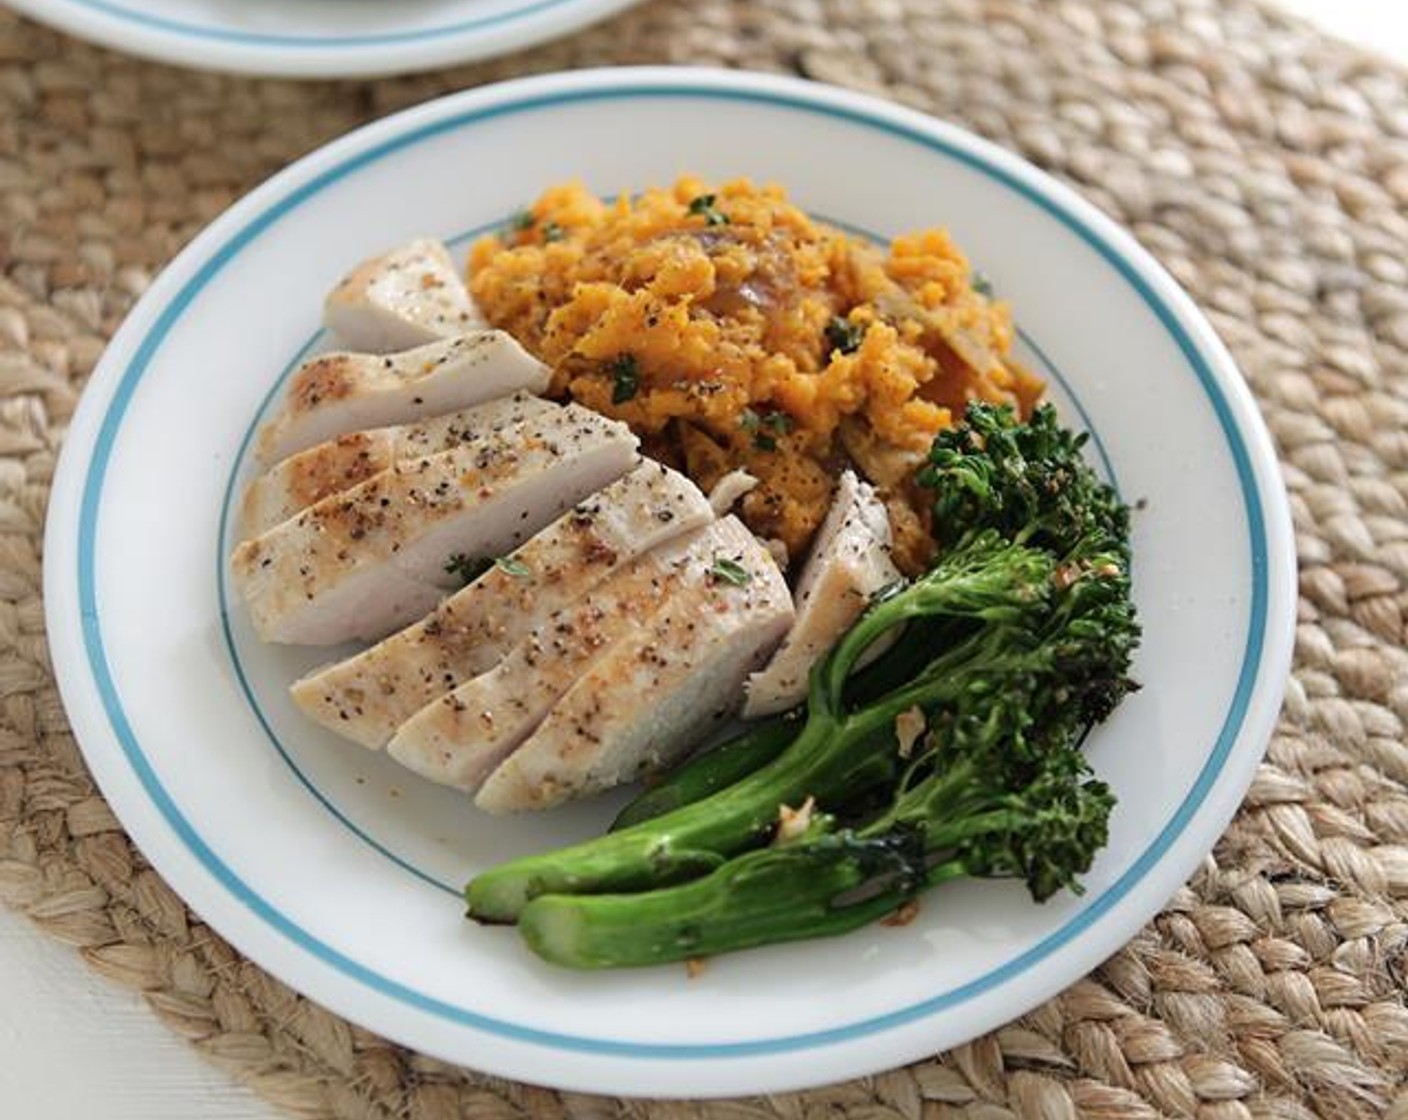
{"points": [[731, 330]]}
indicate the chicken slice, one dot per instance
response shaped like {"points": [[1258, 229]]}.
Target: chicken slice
{"points": [[367, 697], [661, 690], [460, 738], [849, 562], [404, 298], [295, 483], [362, 563], [334, 394]]}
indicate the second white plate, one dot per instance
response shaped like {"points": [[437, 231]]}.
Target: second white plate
{"points": [[318, 38]]}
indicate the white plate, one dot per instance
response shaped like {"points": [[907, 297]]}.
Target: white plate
{"points": [[318, 38], [337, 871]]}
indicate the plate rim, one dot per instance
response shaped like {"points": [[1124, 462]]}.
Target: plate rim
{"points": [[120, 27], [1260, 483]]}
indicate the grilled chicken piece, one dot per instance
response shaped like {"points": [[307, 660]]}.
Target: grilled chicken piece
{"points": [[368, 696], [460, 738], [404, 298], [659, 691], [371, 559], [334, 394], [849, 562], [308, 477]]}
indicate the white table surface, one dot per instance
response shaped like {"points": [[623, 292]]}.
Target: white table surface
{"points": [[74, 1045]]}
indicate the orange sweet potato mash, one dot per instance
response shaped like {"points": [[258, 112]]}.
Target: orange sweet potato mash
{"points": [[731, 330]]}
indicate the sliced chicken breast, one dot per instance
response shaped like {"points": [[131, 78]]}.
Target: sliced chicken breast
{"points": [[460, 738], [301, 480], [334, 394], [367, 697], [404, 298], [362, 563], [849, 562], [661, 690]]}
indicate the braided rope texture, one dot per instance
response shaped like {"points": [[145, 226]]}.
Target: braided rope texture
{"points": [[1265, 167]]}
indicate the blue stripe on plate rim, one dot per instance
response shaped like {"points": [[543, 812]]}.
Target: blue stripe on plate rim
{"points": [[222, 549], [1094, 909], [497, 22]]}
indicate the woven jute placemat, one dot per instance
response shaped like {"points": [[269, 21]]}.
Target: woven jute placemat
{"points": [[1266, 168]]}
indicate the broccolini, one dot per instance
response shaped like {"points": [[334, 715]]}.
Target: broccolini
{"points": [[1017, 639]]}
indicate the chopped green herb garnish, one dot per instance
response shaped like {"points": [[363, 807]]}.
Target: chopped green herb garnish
{"points": [[553, 232], [509, 566], [703, 205], [625, 374], [981, 284], [468, 568], [725, 570], [843, 335], [521, 222], [765, 427]]}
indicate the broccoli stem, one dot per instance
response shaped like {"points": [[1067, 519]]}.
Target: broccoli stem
{"points": [[688, 842], [817, 886], [711, 771], [761, 897], [955, 823]]}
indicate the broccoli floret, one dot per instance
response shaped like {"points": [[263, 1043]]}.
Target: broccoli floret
{"points": [[1028, 481]]}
